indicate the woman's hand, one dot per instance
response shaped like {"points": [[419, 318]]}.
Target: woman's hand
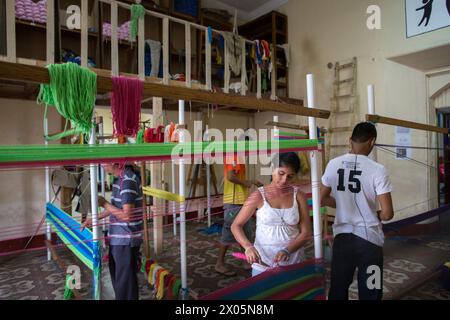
{"points": [[282, 256], [252, 255]]}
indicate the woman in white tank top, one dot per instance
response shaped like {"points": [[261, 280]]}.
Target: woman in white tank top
{"points": [[282, 222]]}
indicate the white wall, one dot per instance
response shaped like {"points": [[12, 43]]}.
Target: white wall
{"points": [[324, 31], [22, 193]]}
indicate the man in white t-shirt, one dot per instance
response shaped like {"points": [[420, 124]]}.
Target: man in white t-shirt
{"points": [[353, 184]]}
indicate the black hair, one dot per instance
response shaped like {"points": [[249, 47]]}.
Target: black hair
{"points": [[288, 159], [363, 132]]}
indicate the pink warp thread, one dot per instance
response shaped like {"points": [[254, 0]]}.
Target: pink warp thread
{"points": [[126, 105]]}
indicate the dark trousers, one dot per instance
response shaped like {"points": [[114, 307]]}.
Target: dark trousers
{"points": [[123, 267], [351, 252]]}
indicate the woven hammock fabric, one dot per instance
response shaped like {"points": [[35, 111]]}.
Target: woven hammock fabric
{"points": [[68, 230], [302, 281], [40, 155]]}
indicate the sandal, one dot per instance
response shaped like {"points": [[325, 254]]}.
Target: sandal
{"points": [[226, 272]]}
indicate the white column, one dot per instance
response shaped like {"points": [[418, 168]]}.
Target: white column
{"points": [[182, 206], [243, 70], [315, 179], [208, 183], [102, 178], [371, 110], [258, 81], [47, 191], [94, 209]]}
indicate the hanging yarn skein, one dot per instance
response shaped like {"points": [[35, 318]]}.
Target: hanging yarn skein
{"points": [[126, 105], [72, 90], [137, 12]]}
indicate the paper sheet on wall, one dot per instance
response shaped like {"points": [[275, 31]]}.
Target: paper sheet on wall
{"points": [[403, 138]]}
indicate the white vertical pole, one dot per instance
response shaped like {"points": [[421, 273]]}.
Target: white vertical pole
{"points": [[10, 31], [208, 61], [166, 44], [182, 206], [371, 107], [47, 191], [315, 182], [50, 59], [188, 54], [141, 48], [94, 209], [226, 87], [276, 131], [102, 177], [258, 81], [114, 40], [208, 183], [243, 70], [84, 33]]}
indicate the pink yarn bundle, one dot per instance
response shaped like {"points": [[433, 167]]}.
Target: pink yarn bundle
{"points": [[126, 105]]}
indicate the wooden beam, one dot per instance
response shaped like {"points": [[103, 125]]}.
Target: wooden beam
{"points": [[114, 40], [15, 71], [291, 126], [84, 33], [407, 124]]}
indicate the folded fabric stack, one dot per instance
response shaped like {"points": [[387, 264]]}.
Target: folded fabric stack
{"points": [[123, 31], [165, 284], [31, 11]]}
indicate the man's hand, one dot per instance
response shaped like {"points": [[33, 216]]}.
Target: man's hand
{"points": [[101, 201], [86, 224]]}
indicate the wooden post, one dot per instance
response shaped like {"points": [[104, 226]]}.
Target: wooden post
{"points": [[50, 32], [84, 33], [273, 77], [114, 41], [166, 47], [243, 70], [208, 61], [141, 48], [155, 173], [226, 87], [145, 211], [10, 31], [188, 54]]}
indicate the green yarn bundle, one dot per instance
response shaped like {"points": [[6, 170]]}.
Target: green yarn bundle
{"points": [[72, 90], [137, 12]]}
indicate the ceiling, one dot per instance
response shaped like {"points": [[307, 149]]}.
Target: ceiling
{"points": [[426, 60], [247, 9]]}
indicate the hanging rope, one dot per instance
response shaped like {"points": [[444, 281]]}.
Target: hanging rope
{"points": [[72, 91], [137, 12], [126, 105]]}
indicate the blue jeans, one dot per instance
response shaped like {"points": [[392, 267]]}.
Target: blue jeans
{"points": [[351, 252]]}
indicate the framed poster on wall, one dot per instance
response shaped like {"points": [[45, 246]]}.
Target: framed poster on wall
{"points": [[426, 15]]}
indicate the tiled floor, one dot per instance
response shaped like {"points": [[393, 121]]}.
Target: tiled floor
{"points": [[407, 260]]}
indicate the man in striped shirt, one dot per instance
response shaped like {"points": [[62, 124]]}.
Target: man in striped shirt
{"points": [[125, 229]]}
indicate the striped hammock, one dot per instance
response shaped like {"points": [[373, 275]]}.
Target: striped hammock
{"points": [[302, 281]]}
